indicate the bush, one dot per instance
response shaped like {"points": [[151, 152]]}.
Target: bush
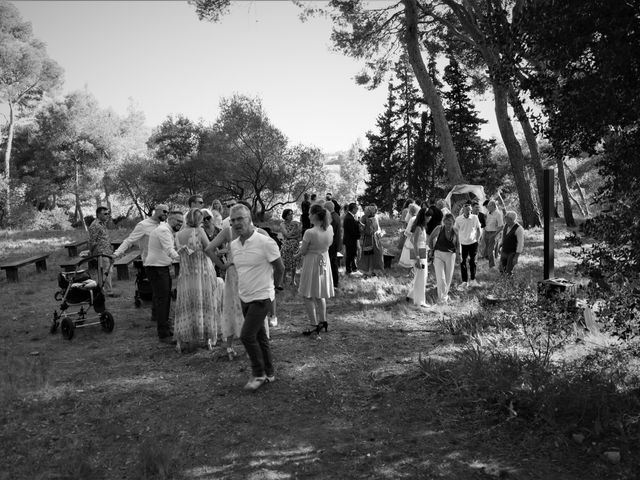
{"points": [[29, 218]]}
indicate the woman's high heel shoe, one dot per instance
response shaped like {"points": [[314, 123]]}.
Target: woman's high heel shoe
{"points": [[313, 329]]}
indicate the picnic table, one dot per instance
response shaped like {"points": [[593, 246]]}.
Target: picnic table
{"points": [[122, 264], [12, 267], [72, 248]]}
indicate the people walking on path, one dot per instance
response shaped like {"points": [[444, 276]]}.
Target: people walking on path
{"points": [[468, 227], [445, 250], [512, 243]]}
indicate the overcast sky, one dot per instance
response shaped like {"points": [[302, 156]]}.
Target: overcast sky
{"points": [[160, 55]]}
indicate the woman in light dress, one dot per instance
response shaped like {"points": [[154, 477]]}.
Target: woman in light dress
{"points": [[371, 259], [316, 281], [199, 300], [405, 256], [419, 258]]}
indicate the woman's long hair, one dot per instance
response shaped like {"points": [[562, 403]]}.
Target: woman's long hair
{"points": [[421, 220], [194, 218], [322, 214]]}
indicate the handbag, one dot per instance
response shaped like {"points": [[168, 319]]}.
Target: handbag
{"points": [[422, 253]]}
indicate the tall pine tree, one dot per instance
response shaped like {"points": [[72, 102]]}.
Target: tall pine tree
{"points": [[474, 152], [384, 160]]}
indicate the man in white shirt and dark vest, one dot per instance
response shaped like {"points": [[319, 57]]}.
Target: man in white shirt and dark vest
{"points": [[161, 254], [468, 227], [512, 243], [260, 272]]}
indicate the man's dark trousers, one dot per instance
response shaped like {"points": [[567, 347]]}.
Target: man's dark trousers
{"points": [[333, 260], [254, 337], [160, 280]]}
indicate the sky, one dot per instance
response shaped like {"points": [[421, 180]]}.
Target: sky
{"points": [[158, 55]]}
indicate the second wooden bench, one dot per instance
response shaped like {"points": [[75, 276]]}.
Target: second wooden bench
{"points": [[122, 264], [12, 267]]}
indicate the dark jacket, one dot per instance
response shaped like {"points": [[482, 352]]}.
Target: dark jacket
{"points": [[337, 231], [351, 229]]}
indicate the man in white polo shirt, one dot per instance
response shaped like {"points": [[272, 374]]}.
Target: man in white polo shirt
{"points": [[260, 271], [468, 227]]}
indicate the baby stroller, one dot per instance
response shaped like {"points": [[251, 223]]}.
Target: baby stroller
{"points": [[143, 286], [78, 293]]}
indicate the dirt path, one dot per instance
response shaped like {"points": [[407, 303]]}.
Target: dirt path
{"points": [[353, 404]]}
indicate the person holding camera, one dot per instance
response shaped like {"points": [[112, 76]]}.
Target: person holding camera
{"points": [[419, 257]]}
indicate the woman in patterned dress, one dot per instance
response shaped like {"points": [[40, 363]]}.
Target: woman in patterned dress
{"points": [[199, 300], [371, 258], [316, 281], [291, 231]]}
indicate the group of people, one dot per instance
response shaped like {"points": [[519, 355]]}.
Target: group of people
{"points": [[230, 269], [433, 235]]}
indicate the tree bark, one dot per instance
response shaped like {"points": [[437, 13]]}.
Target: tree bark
{"points": [[530, 137], [566, 201], [530, 216], [431, 95], [76, 188], [580, 191], [7, 161]]}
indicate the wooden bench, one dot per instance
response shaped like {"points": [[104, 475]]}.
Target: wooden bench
{"points": [[12, 267], [340, 258], [72, 248], [71, 264], [122, 264]]}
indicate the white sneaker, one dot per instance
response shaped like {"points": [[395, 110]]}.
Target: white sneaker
{"points": [[474, 283], [463, 286], [255, 383], [273, 321]]}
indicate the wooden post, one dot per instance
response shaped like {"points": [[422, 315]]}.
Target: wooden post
{"points": [[548, 222]]}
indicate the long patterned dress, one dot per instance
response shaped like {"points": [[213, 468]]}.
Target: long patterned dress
{"points": [[316, 280], [290, 245], [372, 256], [199, 301]]}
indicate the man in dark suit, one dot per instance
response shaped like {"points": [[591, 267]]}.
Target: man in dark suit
{"points": [[351, 228], [336, 205], [336, 245]]}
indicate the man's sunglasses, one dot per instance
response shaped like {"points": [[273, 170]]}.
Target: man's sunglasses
{"points": [[207, 218]]}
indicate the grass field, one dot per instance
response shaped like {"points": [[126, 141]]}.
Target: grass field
{"points": [[379, 396]]}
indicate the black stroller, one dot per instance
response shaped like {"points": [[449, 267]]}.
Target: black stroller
{"points": [[78, 293], [143, 286]]}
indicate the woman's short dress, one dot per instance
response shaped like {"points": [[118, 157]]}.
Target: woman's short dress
{"points": [[316, 280]]}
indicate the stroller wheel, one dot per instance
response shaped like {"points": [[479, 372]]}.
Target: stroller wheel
{"points": [[106, 321], [67, 327]]}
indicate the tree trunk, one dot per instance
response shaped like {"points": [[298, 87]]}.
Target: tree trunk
{"points": [[76, 191], [575, 201], [530, 216], [134, 199], [530, 137], [7, 161], [580, 191], [431, 95], [566, 201]]}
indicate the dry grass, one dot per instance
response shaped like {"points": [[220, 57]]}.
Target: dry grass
{"points": [[352, 404]]}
